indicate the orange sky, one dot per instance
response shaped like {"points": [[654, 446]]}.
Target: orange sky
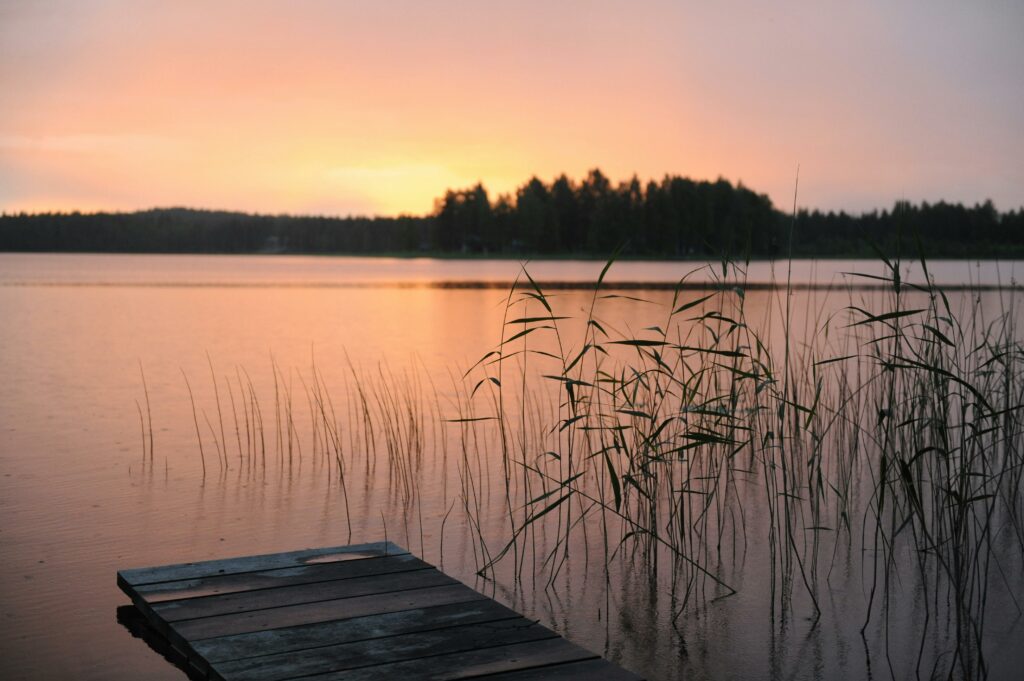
{"points": [[317, 106]]}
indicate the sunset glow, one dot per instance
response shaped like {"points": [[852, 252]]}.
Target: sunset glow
{"points": [[355, 108]]}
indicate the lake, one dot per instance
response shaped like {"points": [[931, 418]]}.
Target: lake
{"points": [[160, 409]]}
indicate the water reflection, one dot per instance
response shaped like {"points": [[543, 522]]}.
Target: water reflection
{"points": [[134, 622], [336, 425]]}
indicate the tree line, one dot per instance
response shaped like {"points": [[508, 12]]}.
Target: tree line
{"points": [[675, 217]]}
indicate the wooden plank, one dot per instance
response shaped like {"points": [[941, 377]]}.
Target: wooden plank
{"points": [[588, 670], [306, 636], [323, 611], [169, 573], [251, 581], [212, 606], [371, 611], [386, 650], [468, 664]]}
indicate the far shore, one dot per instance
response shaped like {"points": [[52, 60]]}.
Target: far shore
{"points": [[548, 257]]}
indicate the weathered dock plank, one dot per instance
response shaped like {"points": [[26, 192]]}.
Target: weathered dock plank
{"points": [[468, 664], [304, 636], [371, 611], [324, 611], [386, 650], [247, 601], [587, 670], [252, 581], [169, 573]]}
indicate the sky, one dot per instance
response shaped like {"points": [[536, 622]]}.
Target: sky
{"points": [[340, 107]]}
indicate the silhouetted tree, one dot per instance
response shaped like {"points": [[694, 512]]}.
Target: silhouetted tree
{"points": [[675, 217]]}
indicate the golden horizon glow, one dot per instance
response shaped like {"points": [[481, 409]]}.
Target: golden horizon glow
{"points": [[317, 107]]}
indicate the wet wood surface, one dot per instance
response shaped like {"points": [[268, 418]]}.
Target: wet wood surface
{"points": [[364, 612]]}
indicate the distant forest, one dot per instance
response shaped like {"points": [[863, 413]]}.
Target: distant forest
{"points": [[674, 218]]}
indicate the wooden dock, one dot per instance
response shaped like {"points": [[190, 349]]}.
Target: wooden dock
{"points": [[372, 611]]}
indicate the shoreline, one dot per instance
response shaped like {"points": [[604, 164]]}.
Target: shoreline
{"points": [[571, 257]]}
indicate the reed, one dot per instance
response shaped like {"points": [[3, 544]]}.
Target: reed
{"points": [[148, 424], [195, 419], [886, 434], [904, 418]]}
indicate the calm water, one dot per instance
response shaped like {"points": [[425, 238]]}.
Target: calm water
{"points": [[80, 499]]}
